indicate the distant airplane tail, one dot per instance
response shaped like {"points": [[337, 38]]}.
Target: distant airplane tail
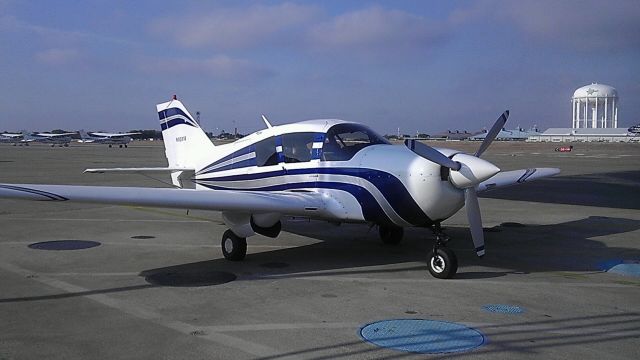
{"points": [[185, 143]]}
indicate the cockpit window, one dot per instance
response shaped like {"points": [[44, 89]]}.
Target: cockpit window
{"points": [[343, 141], [296, 147]]}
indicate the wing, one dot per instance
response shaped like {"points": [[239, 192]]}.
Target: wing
{"points": [[113, 135], [514, 177], [137, 170], [308, 204]]}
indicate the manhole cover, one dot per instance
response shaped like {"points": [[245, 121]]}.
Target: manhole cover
{"points": [[626, 268], [190, 278], [140, 237], [275, 265], [503, 309], [422, 336], [512, 224], [64, 245]]}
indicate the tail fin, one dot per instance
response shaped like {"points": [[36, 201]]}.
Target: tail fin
{"points": [[185, 143]]}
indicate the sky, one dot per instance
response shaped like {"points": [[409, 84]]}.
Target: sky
{"points": [[424, 66]]}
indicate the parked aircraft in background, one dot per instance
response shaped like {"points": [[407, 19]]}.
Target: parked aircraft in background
{"points": [[14, 138], [120, 139], [327, 169], [60, 139]]}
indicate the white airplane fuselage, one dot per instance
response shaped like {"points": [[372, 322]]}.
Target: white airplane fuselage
{"points": [[380, 183]]}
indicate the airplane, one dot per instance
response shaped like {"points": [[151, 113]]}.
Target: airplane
{"points": [[120, 139], [61, 139], [13, 138], [326, 169]]}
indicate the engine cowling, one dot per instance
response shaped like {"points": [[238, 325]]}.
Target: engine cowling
{"points": [[268, 225]]}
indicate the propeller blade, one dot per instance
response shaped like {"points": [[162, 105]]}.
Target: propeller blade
{"points": [[491, 135], [432, 154], [475, 220]]}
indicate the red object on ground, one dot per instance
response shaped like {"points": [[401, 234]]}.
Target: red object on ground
{"points": [[564, 148]]}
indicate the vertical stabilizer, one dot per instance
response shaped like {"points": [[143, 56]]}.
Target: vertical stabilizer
{"points": [[185, 143]]}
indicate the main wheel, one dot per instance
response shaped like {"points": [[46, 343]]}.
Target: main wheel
{"points": [[390, 235], [443, 264], [234, 248]]}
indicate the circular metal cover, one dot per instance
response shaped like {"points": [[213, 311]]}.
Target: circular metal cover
{"points": [[422, 336], [64, 245]]}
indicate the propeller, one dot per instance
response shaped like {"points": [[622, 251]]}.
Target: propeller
{"points": [[467, 172], [432, 154], [491, 135]]}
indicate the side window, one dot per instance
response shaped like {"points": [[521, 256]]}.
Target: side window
{"points": [[266, 152], [296, 147]]}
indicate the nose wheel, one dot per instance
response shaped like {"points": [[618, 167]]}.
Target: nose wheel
{"points": [[441, 261]]}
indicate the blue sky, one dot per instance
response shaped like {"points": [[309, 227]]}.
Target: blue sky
{"points": [[422, 66]]}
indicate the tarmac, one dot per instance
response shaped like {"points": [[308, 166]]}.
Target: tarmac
{"points": [[158, 287]]}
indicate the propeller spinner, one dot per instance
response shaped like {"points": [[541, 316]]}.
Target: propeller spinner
{"points": [[467, 172]]}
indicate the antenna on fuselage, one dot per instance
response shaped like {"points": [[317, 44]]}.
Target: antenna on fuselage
{"points": [[264, 118]]}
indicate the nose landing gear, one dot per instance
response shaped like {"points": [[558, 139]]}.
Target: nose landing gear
{"points": [[441, 261]]}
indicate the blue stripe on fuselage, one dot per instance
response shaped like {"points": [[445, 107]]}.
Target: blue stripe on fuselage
{"points": [[245, 150], [371, 210], [390, 186]]}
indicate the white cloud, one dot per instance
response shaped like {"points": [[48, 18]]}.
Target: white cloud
{"points": [[233, 28], [59, 57], [583, 25], [377, 29], [219, 66]]}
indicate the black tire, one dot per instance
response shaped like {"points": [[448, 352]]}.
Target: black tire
{"points": [[442, 265], [390, 235], [234, 248]]}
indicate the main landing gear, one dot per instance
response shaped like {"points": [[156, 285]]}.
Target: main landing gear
{"points": [[390, 235], [234, 248], [441, 261]]}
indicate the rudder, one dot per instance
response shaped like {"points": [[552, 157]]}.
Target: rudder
{"points": [[186, 144]]}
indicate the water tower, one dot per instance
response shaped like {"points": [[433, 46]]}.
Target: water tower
{"points": [[595, 106]]}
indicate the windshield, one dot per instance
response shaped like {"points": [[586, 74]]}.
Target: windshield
{"points": [[343, 141]]}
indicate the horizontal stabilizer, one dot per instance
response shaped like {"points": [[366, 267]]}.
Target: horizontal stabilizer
{"points": [[508, 178]]}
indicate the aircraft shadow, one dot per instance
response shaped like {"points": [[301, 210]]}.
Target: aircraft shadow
{"points": [[352, 249], [613, 189]]}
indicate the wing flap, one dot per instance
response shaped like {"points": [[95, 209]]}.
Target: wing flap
{"points": [[309, 204], [508, 178]]}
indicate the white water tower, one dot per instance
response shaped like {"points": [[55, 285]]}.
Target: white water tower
{"points": [[595, 106]]}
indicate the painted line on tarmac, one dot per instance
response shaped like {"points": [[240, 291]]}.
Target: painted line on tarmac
{"points": [[311, 277], [142, 243], [145, 314], [105, 220], [291, 326], [91, 274]]}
